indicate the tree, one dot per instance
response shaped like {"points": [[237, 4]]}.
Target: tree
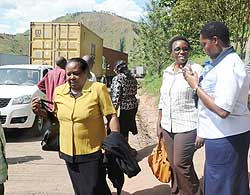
{"points": [[151, 46], [168, 18], [122, 44], [189, 16]]}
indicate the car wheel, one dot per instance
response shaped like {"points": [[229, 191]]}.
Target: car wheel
{"points": [[38, 126]]}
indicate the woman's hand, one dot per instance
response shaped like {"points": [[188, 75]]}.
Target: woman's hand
{"points": [[37, 108], [159, 129], [113, 122], [199, 142], [36, 104], [191, 77]]}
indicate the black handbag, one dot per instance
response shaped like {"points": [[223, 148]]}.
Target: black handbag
{"points": [[50, 141]]}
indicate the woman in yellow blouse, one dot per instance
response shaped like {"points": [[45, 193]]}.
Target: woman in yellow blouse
{"points": [[80, 106]]}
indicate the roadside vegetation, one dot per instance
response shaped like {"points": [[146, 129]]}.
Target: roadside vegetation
{"points": [[168, 18], [151, 85]]}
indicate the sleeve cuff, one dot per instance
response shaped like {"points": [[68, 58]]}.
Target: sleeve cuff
{"points": [[223, 105]]}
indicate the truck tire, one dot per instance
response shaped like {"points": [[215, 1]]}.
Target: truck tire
{"points": [[38, 127]]}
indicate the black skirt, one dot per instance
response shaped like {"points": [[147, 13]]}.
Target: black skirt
{"points": [[89, 177], [128, 122]]}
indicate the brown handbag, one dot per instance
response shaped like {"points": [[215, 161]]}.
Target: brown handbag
{"points": [[159, 164]]}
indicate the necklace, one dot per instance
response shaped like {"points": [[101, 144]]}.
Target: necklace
{"points": [[177, 68], [75, 93]]}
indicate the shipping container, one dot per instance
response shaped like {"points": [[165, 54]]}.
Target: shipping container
{"points": [[49, 40], [110, 58], [13, 59]]}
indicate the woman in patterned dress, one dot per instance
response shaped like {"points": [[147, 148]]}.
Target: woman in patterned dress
{"points": [[123, 93]]}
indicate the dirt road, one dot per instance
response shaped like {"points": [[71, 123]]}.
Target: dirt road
{"points": [[35, 172]]}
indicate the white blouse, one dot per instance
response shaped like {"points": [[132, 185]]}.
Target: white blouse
{"points": [[176, 101], [228, 84]]}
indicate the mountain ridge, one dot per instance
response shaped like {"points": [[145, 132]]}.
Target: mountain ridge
{"points": [[117, 32]]}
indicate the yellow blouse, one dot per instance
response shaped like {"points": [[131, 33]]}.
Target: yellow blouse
{"points": [[81, 121]]}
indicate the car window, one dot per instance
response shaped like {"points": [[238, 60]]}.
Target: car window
{"points": [[18, 76]]}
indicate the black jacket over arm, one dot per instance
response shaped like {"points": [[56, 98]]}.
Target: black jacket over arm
{"points": [[119, 159]]}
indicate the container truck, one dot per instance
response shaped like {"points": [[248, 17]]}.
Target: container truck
{"points": [[49, 40]]}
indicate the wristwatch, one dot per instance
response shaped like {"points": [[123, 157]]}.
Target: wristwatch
{"points": [[195, 90]]}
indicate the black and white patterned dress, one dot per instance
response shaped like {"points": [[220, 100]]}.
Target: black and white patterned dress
{"points": [[123, 91], [123, 94]]}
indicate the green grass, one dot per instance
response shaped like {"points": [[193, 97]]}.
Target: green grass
{"points": [[200, 59], [151, 85]]}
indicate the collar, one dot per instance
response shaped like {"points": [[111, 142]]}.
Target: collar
{"points": [[86, 88], [222, 55], [170, 69], [216, 61]]}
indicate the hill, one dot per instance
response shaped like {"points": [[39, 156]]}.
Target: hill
{"points": [[117, 32], [14, 44]]}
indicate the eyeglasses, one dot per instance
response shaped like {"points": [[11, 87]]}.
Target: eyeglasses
{"points": [[178, 49]]}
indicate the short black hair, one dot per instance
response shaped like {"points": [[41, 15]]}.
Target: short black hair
{"points": [[61, 62], [177, 38], [121, 64], [83, 64], [89, 59], [218, 29]]}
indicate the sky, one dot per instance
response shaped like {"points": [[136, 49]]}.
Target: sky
{"points": [[16, 15]]}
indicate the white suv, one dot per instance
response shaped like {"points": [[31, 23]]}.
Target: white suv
{"points": [[17, 88]]}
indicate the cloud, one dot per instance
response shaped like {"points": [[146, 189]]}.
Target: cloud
{"points": [[4, 28], [6, 4], [125, 8], [18, 13]]}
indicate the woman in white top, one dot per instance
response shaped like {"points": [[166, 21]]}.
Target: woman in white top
{"points": [[177, 120], [224, 119]]}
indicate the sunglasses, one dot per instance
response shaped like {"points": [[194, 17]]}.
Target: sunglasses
{"points": [[178, 49]]}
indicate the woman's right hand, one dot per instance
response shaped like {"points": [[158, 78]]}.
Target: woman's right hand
{"points": [[36, 104], [199, 142], [159, 129]]}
